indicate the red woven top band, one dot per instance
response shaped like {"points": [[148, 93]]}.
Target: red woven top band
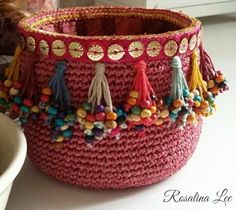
{"points": [[114, 48]]}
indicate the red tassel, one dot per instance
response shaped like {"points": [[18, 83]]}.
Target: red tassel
{"points": [[141, 83], [206, 65], [28, 78]]}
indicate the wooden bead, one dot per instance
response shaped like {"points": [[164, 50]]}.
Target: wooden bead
{"points": [[81, 113], [164, 114], [178, 103], [153, 109], [14, 91], [111, 124], [145, 113], [89, 125], [111, 116], [210, 83], [134, 117], [131, 101], [35, 109], [134, 94], [47, 91], [8, 83], [159, 121]]}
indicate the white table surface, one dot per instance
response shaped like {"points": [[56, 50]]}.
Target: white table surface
{"points": [[212, 167]]}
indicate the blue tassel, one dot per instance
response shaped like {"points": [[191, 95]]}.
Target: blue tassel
{"points": [[179, 84], [57, 83]]}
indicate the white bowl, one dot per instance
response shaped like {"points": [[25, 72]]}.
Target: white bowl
{"points": [[12, 156]]}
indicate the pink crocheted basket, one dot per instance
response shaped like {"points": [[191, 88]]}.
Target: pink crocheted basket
{"points": [[117, 37]]}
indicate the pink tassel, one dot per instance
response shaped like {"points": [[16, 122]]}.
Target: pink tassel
{"points": [[206, 65], [141, 83]]}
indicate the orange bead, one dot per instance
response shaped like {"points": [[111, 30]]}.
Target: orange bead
{"points": [[111, 116], [153, 109], [131, 101], [219, 78], [178, 103], [204, 104], [210, 84], [47, 91], [215, 90], [191, 118]]}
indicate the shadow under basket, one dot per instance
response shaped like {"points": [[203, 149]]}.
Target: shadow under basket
{"points": [[117, 37]]}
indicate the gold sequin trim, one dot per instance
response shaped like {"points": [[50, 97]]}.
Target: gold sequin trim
{"points": [[76, 50], [30, 42], [136, 49], [193, 42], [183, 46], [95, 52], [58, 48], [115, 52], [43, 47], [170, 48], [154, 48]]}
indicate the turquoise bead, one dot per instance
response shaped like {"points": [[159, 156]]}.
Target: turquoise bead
{"points": [[197, 98], [67, 133], [86, 106], [17, 100], [24, 109], [136, 110], [168, 100], [52, 110], [59, 122], [173, 116], [185, 92], [119, 112]]}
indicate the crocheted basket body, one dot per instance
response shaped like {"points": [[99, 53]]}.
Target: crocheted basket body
{"points": [[117, 37]]}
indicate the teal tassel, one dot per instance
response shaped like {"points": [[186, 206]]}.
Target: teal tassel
{"points": [[57, 83], [179, 84]]}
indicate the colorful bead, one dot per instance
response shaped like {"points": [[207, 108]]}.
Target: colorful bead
{"points": [[145, 104], [17, 85], [14, 91], [134, 117], [168, 100], [195, 92], [59, 122], [81, 113], [67, 133], [136, 110], [145, 113], [160, 103], [86, 106], [44, 98], [197, 98], [42, 105], [190, 96], [204, 104], [70, 118], [90, 117], [15, 108], [59, 139], [100, 116], [111, 124], [43, 116], [52, 110], [25, 109], [28, 102], [89, 125], [131, 101], [153, 109], [197, 104], [164, 113], [210, 83], [47, 91], [111, 116], [134, 94], [159, 121], [185, 92], [35, 109], [8, 83], [215, 90], [3, 95], [219, 78], [64, 127], [89, 139], [191, 118], [100, 108], [98, 132], [178, 103]]}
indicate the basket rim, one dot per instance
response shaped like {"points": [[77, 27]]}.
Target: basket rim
{"points": [[30, 23]]}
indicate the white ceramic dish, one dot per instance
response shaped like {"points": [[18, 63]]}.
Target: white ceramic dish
{"points": [[12, 156]]}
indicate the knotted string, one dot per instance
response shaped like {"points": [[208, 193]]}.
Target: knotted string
{"points": [[196, 81], [206, 65], [178, 79], [57, 83], [141, 83], [12, 72], [99, 88]]}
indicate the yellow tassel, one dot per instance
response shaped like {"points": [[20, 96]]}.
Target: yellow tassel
{"points": [[12, 72], [196, 81]]}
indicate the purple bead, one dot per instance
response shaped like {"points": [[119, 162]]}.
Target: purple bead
{"points": [[100, 108], [34, 116], [61, 115], [98, 132]]}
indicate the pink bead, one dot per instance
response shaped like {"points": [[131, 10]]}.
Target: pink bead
{"points": [[190, 102], [100, 116], [145, 104]]}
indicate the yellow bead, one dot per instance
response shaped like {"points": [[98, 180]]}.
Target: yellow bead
{"points": [[134, 118], [145, 113], [2, 94], [164, 114], [159, 121], [89, 125], [81, 113], [8, 83], [111, 124], [131, 101], [64, 127], [178, 103], [60, 139], [13, 91], [133, 94], [210, 84], [153, 109], [35, 109], [197, 104]]}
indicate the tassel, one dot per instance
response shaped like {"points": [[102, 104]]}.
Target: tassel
{"points": [[196, 81], [141, 84], [206, 65], [57, 83], [12, 72], [179, 83], [99, 89], [28, 78]]}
